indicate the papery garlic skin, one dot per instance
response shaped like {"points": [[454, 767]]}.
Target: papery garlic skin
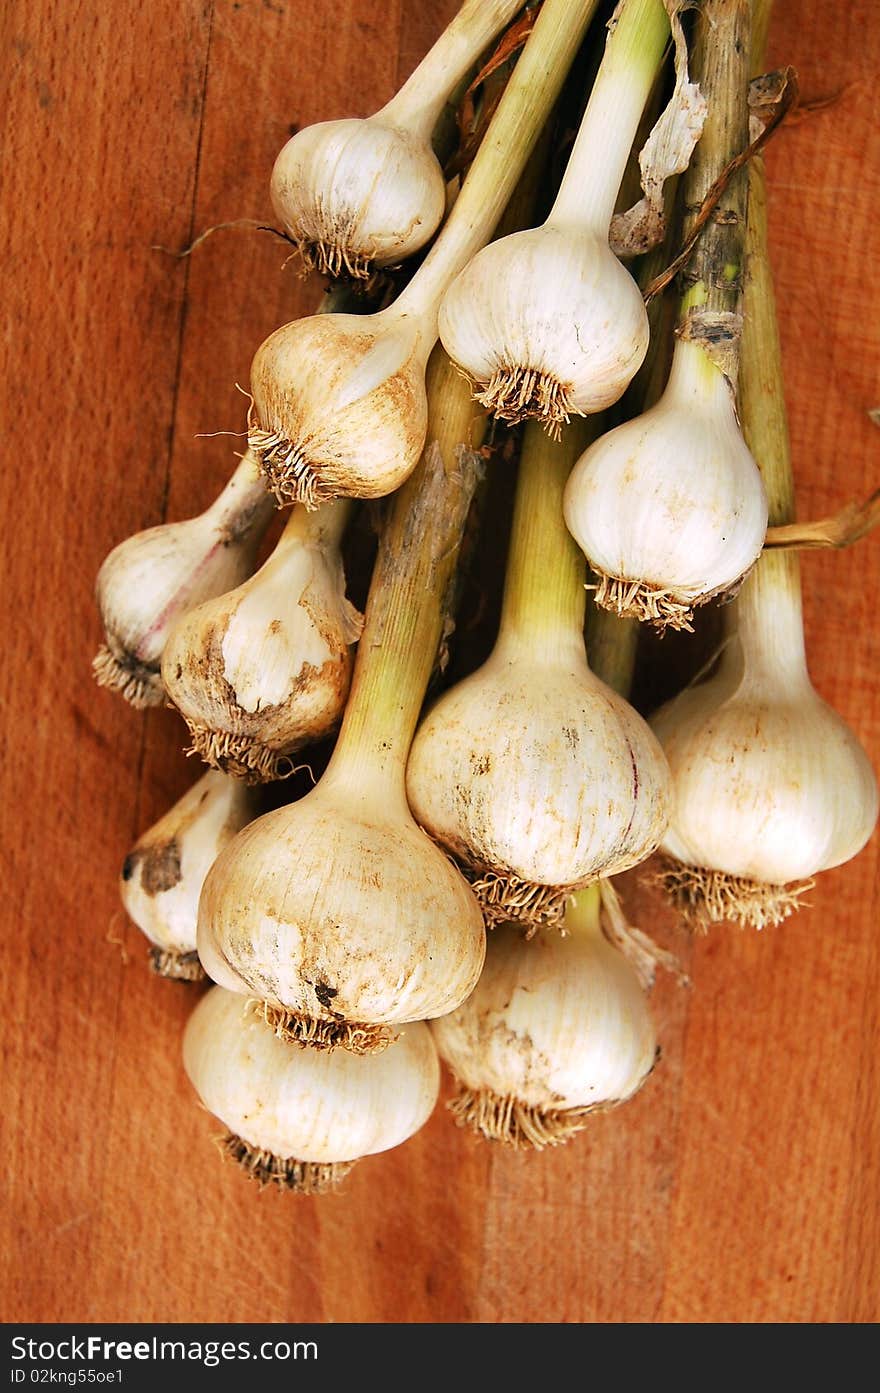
{"points": [[357, 194], [148, 581], [769, 781], [340, 405], [554, 1025], [304, 1104], [338, 909], [672, 500], [551, 304], [264, 669], [540, 770], [163, 874]]}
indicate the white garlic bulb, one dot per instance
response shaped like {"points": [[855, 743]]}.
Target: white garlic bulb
{"points": [[150, 579], [261, 671], [770, 784], [556, 1028], [359, 194], [532, 769], [670, 508], [163, 874], [342, 915], [355, 195], [547, 323], [300, 1117]]}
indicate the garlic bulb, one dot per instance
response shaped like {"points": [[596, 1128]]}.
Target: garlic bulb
{"points": [[150, 579], [162, 875], [669, 508], [341, 915], [547, 323], [338, 912], [300, 1118], [261, 671], [770, 784], [358, 194], [339, 406], [533, 773], [555, 1029], [539, 778]]}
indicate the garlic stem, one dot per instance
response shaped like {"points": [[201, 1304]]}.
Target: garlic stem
{"points": [[582, 912], [767, 617], [319, 527], [598, 160], [761, 395], [713, 276], [524, 108], [544, 596], [611, 643], [405, 609], [418, 104]]}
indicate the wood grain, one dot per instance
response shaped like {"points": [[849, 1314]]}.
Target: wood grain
{"points": [[741, 1185]]}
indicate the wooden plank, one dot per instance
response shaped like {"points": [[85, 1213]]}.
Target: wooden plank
{"points": [[90, 356], [741, 1184]]}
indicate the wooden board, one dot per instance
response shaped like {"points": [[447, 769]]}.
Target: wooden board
{"points": [[741, 1184]]}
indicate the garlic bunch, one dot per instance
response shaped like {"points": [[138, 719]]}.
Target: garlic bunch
{"points": [[297, 1117], [669, 508], [338, 912], [556, 1029], [358, 194], [148, 581], [532, 772], [264, 669], [339, 406], [770, 784], [547, 323], [163, 874]]}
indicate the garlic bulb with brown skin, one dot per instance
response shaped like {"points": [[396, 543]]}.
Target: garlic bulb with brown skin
{"points": [[669, 508], [534, 774], [163, 874], [148, 581], [357, 194], [300, 1118], [264, 669], [339, 406], [556, 1029], [547, 323], [770, 784], [338, 912]]}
